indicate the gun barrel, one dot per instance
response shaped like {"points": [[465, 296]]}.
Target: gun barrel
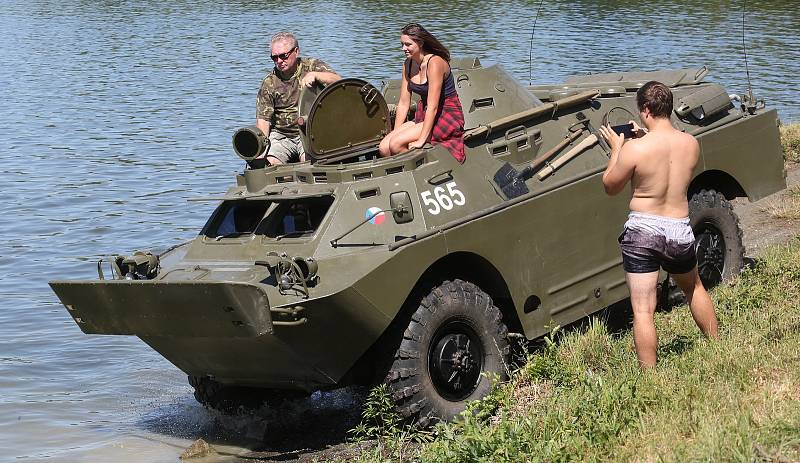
{"points": [[250, 142]]}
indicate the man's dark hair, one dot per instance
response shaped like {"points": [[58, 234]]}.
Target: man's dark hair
{"points": [[426, 41], [656, 97]]}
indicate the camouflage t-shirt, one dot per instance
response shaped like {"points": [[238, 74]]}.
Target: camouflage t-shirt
{"points": [[277, 99]]}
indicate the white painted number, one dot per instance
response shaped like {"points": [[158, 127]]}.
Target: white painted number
{"points": [[426, 198], [443, 199], [451, 188]]}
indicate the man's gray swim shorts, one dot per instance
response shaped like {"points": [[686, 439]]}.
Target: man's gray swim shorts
{"points": [[651, 241]]}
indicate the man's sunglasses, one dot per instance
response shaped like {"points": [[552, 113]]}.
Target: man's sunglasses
{"points": [[282, 56]]}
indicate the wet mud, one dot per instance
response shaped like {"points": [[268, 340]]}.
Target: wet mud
{"points": [[298, 430]]}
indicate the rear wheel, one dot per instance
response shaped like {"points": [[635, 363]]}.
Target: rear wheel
{"points": [[455, 336], [718, 242], [720, 251]]}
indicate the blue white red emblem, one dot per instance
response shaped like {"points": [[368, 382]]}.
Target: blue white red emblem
{"points": [[377, 215]]}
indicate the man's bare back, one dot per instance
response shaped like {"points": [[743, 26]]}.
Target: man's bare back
{"points": [[659, 166], [664, 161]]}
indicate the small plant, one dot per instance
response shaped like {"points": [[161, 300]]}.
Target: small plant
{"points": [[393, 439], [378, 420], [790, 140]]}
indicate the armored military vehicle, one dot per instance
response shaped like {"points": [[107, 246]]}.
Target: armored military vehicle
{"points": [[416, 270]]}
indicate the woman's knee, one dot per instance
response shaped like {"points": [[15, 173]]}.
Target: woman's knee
{"points": [[397, 146], [383, 147]]}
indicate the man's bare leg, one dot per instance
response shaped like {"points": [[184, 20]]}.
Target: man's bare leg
{"points": [[699, 302], [642, 287]]}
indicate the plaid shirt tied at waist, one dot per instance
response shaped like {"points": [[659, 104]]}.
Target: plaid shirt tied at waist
{"points": [[448, 127]]}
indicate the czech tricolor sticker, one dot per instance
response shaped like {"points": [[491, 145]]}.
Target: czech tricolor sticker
{"points": [[375, 215]]}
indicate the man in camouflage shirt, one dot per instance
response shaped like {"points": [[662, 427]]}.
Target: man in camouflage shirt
{"points": [[276, 104]]}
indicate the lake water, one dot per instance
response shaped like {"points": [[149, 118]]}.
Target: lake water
{"points": [[114, 113]]}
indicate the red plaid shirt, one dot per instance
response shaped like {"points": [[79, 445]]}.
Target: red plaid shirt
{"points": [[448, 127]]}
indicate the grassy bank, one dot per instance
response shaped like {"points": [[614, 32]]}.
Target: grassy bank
{"points": [[790, 139], [583, 398], [789, 207]]}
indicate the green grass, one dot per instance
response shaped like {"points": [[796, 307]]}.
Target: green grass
{"points": [[790, 140], [583, 398]]}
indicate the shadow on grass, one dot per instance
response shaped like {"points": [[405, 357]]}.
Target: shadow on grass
{"points": [[676, 346], [618, 317]]}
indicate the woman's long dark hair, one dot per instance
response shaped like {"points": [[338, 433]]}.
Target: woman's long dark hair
{"points": [[426, 41]]}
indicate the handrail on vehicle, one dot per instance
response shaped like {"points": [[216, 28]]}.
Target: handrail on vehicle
{"points": [[547, 108]]}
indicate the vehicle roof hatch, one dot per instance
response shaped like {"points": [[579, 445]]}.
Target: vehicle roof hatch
{"points": [[346, 118]]}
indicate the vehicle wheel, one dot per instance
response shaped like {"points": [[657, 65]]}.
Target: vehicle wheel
{"points": [[719, 247], [720, 251], [454, 337], [235, 399]]}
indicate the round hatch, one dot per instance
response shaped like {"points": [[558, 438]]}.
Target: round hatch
{"points": [[347, 118]]}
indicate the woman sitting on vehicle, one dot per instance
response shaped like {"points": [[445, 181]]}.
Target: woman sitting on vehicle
{"points": [[439, 117]]}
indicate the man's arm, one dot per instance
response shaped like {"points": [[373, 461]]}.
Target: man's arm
{"points": [[320, 72], [265, 106], [263, 125], [620, 166], [325, 78]]}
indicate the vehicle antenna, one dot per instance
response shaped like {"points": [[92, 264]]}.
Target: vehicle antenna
{"points": [[744, 47], [530, 53]]}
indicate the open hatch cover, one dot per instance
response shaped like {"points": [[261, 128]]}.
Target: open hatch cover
{"points": [[347, 118]]}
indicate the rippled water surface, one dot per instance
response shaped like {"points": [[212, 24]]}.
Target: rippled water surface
{"points": [[115, 113]]}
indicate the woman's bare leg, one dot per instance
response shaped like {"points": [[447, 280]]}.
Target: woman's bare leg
{"points": [[384, 149], [407, 133]]}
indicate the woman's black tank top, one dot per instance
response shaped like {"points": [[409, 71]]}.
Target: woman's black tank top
{"points": [[448, 86]]}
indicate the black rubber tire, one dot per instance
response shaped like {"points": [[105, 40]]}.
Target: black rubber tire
{"points": [[719, 246], [720, 250], [450, 315], [231, 400]]}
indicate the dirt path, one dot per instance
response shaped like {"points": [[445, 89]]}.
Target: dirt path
{"points": [[761, 229], [319, 433]]}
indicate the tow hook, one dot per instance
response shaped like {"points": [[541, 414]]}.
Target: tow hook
{"points": [[292, 273], [141, 265]]}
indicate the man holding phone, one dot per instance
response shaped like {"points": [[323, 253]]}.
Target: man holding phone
{"points": [[626, 130], [659, 164]]}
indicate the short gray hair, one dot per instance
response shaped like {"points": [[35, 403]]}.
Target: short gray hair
{"points": [[283, 35]]}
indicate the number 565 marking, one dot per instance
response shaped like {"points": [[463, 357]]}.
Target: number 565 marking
{"points": [[443, 199]]}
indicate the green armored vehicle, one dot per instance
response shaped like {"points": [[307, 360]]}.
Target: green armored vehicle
{"points": [[416, 270]]}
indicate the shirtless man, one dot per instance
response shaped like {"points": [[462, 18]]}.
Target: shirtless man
{"points": [[659, 165]]}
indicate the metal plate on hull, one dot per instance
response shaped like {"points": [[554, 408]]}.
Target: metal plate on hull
{"points": [[154, 308]]}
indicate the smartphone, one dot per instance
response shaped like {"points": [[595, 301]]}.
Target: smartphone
{"points": [[625, 129]]}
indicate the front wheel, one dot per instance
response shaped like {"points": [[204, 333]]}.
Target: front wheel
{"points": [[455, 338]]}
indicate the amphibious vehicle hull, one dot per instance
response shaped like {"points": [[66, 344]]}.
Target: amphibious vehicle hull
{"points": [[414, 269]]}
